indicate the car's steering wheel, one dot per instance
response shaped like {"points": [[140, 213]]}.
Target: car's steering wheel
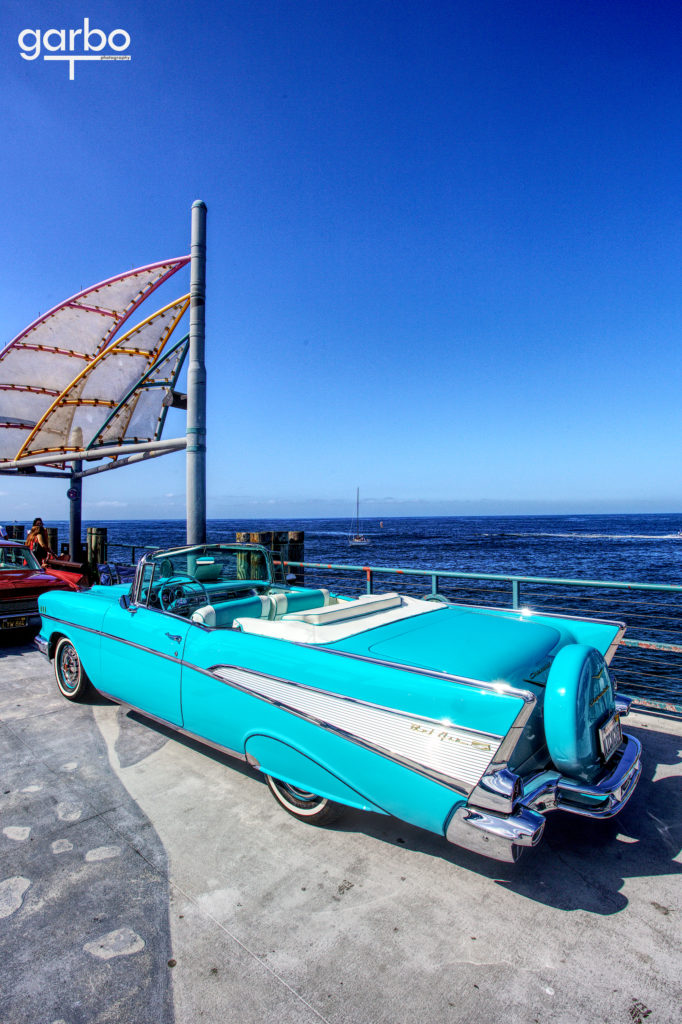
{"points": [[179, 590]]}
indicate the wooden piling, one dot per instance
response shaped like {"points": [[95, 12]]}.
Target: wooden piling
{"points": [[265, 541], [53, 538], [296, 553], [284, 545], [243, 558], [96, 544]]}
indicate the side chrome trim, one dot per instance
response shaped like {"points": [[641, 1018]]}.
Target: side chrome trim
{"points": [[339, 696], [608, 657], [413, 722], [171, 725], [513, 736], [120, 640], [534, 613], [503, 688], [74, 625]]}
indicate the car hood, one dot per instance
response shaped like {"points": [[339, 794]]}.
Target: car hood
{"points": [[34, 581], [476, 644]]}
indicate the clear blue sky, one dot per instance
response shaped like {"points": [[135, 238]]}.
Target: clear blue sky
{"points": [[445, 243]]}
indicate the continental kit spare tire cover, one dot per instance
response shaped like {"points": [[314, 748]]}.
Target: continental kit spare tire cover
{"points": [[578, 699]]}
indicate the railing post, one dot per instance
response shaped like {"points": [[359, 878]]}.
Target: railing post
{"points": [[370, 579], [434, 583], [516, 594]]}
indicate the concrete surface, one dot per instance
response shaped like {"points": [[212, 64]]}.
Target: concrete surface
{"points": [[145, 879]]}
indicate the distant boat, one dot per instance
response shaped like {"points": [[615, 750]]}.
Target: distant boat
{"points": [[357, 537]]}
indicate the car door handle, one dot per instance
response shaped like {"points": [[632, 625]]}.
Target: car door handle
{"points": [[172, 636]]}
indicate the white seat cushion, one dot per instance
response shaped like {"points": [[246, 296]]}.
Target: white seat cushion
{"points": [[346, 609], [205, 615], [278, 605], [296, 629]]}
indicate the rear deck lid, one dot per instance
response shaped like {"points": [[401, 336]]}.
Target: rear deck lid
{"points": [[474, 644]]}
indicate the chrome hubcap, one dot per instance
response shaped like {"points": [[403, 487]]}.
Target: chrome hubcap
{"points": [[68, 667], [299, 794]]}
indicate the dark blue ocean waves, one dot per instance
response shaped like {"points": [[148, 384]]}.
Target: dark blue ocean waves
{"points": [[645, 548], [631, 548]]}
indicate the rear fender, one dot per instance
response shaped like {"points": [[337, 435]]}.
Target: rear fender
{"points": [[274, 757]]}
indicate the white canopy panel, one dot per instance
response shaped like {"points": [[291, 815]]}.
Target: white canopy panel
{"points": [[141, 414], [76, 417], [46, 357]]}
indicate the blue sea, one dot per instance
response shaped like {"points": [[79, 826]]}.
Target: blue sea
{"points": [[644, 548], [633, 548]]}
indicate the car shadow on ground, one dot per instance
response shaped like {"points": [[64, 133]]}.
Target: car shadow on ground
{"points": [[581, 863], [16, 641], [89, 935]]}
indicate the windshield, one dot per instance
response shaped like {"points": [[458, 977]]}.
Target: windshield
{"points": [[17, 558], [213, 563], [184, 579]]}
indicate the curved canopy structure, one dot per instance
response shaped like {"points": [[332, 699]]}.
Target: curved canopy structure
{"points": [[141, 414], [41, 363], [77, 416]]}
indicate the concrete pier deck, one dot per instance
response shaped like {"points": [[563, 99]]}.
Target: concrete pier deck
{"points": [[145, 879]]}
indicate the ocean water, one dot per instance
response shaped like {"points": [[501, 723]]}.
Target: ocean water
{"points": [[642, 548], [631, 548]]}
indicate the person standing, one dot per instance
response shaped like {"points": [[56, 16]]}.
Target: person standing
{"points": [[38, 542]]}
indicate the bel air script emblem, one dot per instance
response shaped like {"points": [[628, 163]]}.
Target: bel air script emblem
{"points": [[447, 737]]}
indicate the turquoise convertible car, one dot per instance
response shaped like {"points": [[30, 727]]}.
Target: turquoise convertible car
{"points": [[470, 722]]}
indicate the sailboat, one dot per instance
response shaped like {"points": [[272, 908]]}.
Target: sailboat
{"points": [[357, 537]]}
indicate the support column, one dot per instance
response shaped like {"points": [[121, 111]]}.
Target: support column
{"points": [[196, 382], [75, 496]]}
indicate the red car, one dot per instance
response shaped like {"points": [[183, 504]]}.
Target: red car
{"points": [[22, 580]]}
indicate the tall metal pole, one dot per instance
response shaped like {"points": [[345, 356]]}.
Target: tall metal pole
{"points": [[196, 382], [75, 496]]}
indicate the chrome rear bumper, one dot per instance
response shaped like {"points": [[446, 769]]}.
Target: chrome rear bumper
{"points": [[601, 799], [503, 837]]}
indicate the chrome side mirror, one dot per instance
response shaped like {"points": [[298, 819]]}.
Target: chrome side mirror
{"points": [[124, 601]]}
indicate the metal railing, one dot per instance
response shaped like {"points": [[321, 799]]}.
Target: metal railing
{"points": [[648, 662], [132, 548]]}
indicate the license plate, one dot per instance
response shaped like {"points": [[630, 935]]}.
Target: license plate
{"points": [[610, 736], [15, 623]]}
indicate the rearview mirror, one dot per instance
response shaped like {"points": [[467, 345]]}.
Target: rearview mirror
{"points": [[124, 601]]}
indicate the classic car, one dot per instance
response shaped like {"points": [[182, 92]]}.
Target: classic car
{"points": [[471, 722], [22, 581]]}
